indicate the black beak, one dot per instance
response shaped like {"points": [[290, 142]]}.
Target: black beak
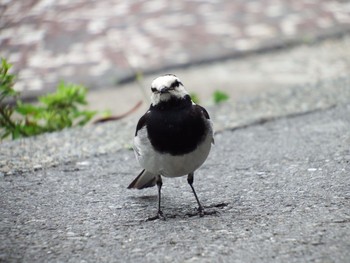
{"points": [[165, 90]]}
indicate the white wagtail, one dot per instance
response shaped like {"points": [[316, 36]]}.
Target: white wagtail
{"points": [[173, 138]]}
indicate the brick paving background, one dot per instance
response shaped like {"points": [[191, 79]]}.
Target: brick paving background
{"points": [[98, 43]]}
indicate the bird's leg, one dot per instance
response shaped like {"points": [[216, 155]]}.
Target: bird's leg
{"points": [[190, 182], [159, 185], [160, 214]]}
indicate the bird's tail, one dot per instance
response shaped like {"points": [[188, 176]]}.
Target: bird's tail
{"points": [[143, 180]]}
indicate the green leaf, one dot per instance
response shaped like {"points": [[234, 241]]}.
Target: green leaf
{"points": [[220, 96], [27, 109], [6, 80], [16, 133], [55, 111]]}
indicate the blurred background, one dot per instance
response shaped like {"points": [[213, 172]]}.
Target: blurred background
{"points": [[209, 44]]}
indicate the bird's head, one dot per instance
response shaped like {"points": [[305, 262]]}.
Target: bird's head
{"points": [[166, 87]]}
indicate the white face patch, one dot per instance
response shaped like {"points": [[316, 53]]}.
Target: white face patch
{"points": [[162, 83]]}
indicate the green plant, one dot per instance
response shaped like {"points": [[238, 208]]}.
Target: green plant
{"points": [[54, 111], [220, 96], [6, 91]]}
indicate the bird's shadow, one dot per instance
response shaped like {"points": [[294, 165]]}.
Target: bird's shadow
{"points": [[178, 210], [146, 198]]}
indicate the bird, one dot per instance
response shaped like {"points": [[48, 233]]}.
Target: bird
{"points": [[172, 139]]}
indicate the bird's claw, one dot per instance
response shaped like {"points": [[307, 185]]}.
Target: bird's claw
{"points": [[159, 215], [201, 212]]}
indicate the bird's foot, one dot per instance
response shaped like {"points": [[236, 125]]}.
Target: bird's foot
{"points": [[201, 212], [159, 215], [211, 212]]}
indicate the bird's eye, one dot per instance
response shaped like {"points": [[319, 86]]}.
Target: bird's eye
{"points": [[174, 84], [153, 89]]}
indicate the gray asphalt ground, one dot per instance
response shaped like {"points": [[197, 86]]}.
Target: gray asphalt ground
{"points": [[281, 187], [278, 176]]}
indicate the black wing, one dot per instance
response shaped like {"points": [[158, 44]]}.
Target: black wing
{"points": [[141, 123], [206, 114]]}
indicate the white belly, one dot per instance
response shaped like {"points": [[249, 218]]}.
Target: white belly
{"points": [[166, 164]]}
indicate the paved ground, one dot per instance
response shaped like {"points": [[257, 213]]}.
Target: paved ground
{"points": [[281, 185], [284, 186], [99, 43], [279, 173]]}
